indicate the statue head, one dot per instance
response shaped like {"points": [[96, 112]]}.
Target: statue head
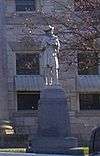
{"points": [[49, 30]]}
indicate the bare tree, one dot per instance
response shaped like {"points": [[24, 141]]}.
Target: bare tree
{"points": [[76, 28]]}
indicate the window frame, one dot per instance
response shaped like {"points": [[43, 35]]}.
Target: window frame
{"points": [[23, 9], [23, 73], [85, 7], [94, 106], [94, 70], [19, 108]]}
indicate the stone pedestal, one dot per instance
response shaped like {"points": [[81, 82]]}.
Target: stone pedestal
{"points": [[53, 134]]}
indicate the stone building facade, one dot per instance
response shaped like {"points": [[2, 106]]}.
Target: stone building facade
{"points": [[22, 72]]}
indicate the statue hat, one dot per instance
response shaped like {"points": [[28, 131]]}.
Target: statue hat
{"points": [[48, 28]]}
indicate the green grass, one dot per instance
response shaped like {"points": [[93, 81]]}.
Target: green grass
{"points": [[23, 150], [14, 150], [82, 150], [86, 150]]}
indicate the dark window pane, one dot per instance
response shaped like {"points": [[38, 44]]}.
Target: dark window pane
{"points": [[28, 100], [87, 64], [24, 5], [27, 64], [86, 5], [89, 101]]}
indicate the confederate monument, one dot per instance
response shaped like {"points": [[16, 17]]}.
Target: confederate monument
{"points": [[53, 135], [50, 49]]}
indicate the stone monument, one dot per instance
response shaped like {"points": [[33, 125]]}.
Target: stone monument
{"points": [[53, 135], [50, 49]]}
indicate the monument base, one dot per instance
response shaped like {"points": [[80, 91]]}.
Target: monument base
{"points": [[53, 113], [52, 145], [53, 135]]}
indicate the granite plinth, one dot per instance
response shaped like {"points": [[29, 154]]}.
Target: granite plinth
{"points": [[53, 113], [53, 135]]}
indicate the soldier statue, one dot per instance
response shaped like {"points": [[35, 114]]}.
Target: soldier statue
{"points": [[50, 48]]}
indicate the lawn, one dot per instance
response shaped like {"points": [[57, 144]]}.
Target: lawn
{"points": [[23, 150], [13, 150], [86, 150]]}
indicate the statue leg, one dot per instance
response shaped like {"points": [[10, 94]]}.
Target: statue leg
{"points": [[48, 76], [54, 76], [45, 75]]}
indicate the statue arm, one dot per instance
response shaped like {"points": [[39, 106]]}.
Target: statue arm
{"points": [[43, 45]]}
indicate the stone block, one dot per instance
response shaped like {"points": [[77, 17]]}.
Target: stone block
{"points": [[53, 113]]}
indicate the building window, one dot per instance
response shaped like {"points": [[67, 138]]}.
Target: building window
{"points": [[86, 5], [89, 101], [87, 64], [27, 100], [25, 5], [27, 64]]}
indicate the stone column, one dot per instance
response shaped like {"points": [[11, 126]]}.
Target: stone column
{"points": [[3, 66]]}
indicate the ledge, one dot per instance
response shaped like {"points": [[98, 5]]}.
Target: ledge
{"points": [[88, 113], [30, 113]]}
